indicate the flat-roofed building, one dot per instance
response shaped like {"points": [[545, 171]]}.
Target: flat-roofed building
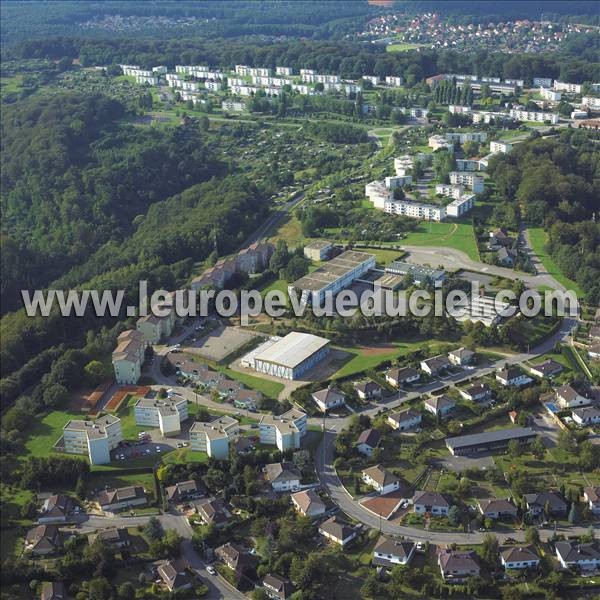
{"points": [[421, 275], [284, 431], [394, 81], [489, 441], [94, 438], [334, 276], [415, 210], [165, 414], [466, 136], [563, 86], [542, 82], [470, 180], [551, 95], [214, 437], [460, 206], [318, 250], [289, 357], [497, 147], [533, 115]]}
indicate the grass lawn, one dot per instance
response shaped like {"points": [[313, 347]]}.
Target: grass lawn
{"points": [[402, 47], [98, 480], [43, 434], [384, 257], [12, 503], [452, 235], [184, 456], [369, 358], [538, 238], [291, 231], [269, 388], [10, 85]]}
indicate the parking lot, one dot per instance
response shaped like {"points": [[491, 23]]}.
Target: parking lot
{"points": [[219, 343]]}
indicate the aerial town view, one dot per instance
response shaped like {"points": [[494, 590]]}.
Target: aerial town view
{"points": [[300, 300]]}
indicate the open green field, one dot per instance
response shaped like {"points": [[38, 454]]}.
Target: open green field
{"points": [[383, 256], [402, 47], [538, 239], [99, 480], [184, 456], [43, 434], [452, 235], [371, 357], [10, 85], [269, 388]]}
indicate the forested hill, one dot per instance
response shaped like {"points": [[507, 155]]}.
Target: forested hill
{"points": [[553, 182], [75, 177]]}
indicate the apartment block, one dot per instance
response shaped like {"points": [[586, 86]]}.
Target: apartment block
{"points": [[164, 414], [94, 438], [533, 115], [214, 437], [128, 357], [284, 431], [470, 180]]}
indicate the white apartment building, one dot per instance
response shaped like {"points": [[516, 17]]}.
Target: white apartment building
{"points": [[242, 70], [591, 102], [243, 90], [449, 190], [486, 117], [467, 136], [500, 147], [214, 437], [545, 82], [260, 71], [471, 164], [233, 106], [378, 193], [455, 109], [470, 180], [394, 81], [372, 78], [533, 115], [285, 71], [188, 69], [135, 72], [393, 182], [146, 80], [351, 88], [332, 87], [579, 114], [301, 89], [164, 414], [571, 88], [128, 357], [160, 70], [307, 72], [438, 142], [94, 438], [284, 431], [213, 86], [551, 95], [415, 210], [460, 206]]}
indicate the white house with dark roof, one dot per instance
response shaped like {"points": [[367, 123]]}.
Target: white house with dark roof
{"points": [[430, 502], [549, 368], [284, 431], [277, 587], [585, 557], [367, 441], [367, 390], [553, 501], [457, 567], [308, 503], [495, 508], [587, 415], [479, 392], [404, 419], [440, 406], [519, 557], [569, 397], [398, 377], [512, 376], [389, 552], [461, 356], [380, 479], [328, 398], [435, 365], [591, 495], [56, 508], [338, 531], [283, 476]]}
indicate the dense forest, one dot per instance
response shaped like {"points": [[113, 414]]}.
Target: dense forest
{"points": [[554, 183]]}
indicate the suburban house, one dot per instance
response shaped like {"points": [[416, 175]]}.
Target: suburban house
{"points": [[435, 365], [238, 559], [499, 239], [389, 552], [477, 393], [568, 397], [430, 502], [53, 590], [456, 566], [214, 437], [512, 376], [328, 398], [440, 406], [594, 351], [549, 368], [283, 476], [120, 498], [507, 257], [277, 587], [461, 356], [246, 399], [537, 503], [213, 512], [380, 479], [42, 540], [367, 441], [184, 490], [284, 431], [404, 420], [338, 531], [495, 508], [588, 415], [519, 557], [367, 390], [399, 377], [308, 503], [585, 557], [56, 508], [591, 495], [175, 575], [128, 357], [115, 537]]}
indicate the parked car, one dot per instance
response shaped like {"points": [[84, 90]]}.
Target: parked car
{"points": [[211, 570]]}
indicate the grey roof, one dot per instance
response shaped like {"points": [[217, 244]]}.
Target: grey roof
{"points": [[370, 437], [572, 552], [451, 560], [403, 374], [404, 415], [283, 471], [381, 475], [548, 367], [554, 500], [327, 395], [587, 412], [419, 273], [477, 389], [499, 505], [430, 498], [567, 392], [401, 548], [337, 527], [440, 402], [519, 554], [487, 437], [435, 363], [293, 349]]}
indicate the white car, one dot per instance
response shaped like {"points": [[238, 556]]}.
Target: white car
{"points": [[211, 570], [158, 450]]}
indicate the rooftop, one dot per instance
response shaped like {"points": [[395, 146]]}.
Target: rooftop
{"points": [[293, 349], [488, 437]]}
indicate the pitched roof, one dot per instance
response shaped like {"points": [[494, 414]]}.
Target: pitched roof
{"points": [[519, 554], [436, 363], [509, 373], [548, 367], [587, 412], [496, 505], [401, 548], [336, 527], [489, 437], [573, 552], [306, 499], [122, 494], [283, 471], [183, 488], [213, 511], [451, 560], [477, 389], [112, 535], [329, 395], [366, 386], [235, 555], [404, 415], [462, 353], [43, 535], [402, 374], [370, 437], [430, 498], [57, 505], [280, 584], [440, 402], [554, 500], [381, 475], [567, 392]]}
